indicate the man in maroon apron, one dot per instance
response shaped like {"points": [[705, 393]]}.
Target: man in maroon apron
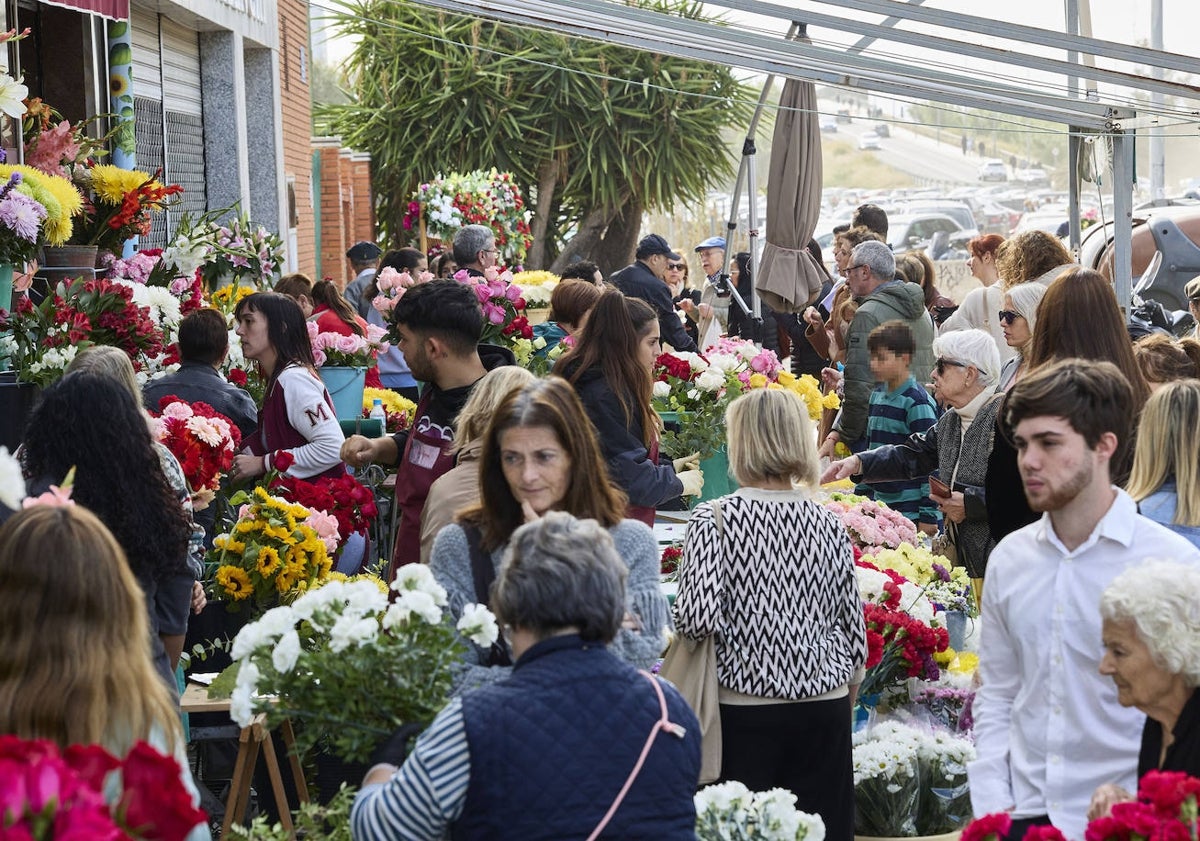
{"points": [[438, 325]]}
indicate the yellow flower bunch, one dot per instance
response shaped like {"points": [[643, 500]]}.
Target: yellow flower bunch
{"points": [[806, 386], [111, 183], [949, 586], [58, 195], [957, 662], [401, 412], [226, 298], [270, 554], [535, 278]]}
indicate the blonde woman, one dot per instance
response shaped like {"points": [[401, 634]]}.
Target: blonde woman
{"points": [[770, 573], [74, 664], [1017, 319], [1165, 481], [459, 488]]}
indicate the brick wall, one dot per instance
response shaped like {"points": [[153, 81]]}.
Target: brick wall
{"points": [[295, 68]]}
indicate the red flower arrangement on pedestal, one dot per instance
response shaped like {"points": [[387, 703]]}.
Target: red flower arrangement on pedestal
{"points": [[204, 441], [899, 645], [343, 497], [46, 793]]}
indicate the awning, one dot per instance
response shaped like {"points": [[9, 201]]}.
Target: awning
{"points": [[111, 9]]}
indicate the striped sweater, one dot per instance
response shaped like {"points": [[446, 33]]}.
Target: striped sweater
{"points": [[778, 588], [893, 416]]}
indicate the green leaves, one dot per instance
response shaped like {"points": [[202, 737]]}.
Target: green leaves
{"points": [[438, 93]]}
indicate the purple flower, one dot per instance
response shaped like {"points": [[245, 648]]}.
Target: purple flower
{"points": [[942, 572], [22, 215]]}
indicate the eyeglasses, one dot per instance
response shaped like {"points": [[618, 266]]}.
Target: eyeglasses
{"points": [[490, 250], [675, 266], [856, 268], [942, 362], [1008, 316]]}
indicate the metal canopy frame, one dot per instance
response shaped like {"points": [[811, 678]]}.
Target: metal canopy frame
{"points": [[615, 22]]}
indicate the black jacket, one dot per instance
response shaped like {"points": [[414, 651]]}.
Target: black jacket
{"points": [[647, 483], [637, 281]]}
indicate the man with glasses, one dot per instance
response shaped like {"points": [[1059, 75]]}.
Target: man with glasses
{"points": [[871, 276], [646, 279], [475, 249]]}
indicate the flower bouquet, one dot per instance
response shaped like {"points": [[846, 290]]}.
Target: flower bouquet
{"points": [[151, 267], [36, 209], [870, 524], [669, 561], [226, 298], [86, 792], [274, 550], [119, 204], [79, 313], [203, 440], [392, 285], [887, 786], [339, 657], [350, 351], [949, 706], [476, 198], [1166, 807], [399, 411], [698, 391], [55, 145], [731, 811], [343, 497], [234, 252], [945, 793], [536, 287], [948, 587], [899, 646]]}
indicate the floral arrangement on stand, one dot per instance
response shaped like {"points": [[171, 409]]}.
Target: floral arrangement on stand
{"points": [[55, 145], [399, 411], [202, 439], [731, 811], [153, 269], [36, 209], [1165, 808], [43, 339], [233, 252], [490, 198], [910, 780], [343, 497], [536, 287], [351, 351], [47, 793], [342, 658], [870, 524], [275, 550], [118, 204]]}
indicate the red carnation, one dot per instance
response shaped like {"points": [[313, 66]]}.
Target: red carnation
{"points": [[988, 828], [238, 377], [154, 800]]}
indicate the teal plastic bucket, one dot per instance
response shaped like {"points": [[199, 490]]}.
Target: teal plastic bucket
{"points": [[345, 386]]}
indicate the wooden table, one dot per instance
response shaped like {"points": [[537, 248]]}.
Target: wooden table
{"points": [[251, 739]]}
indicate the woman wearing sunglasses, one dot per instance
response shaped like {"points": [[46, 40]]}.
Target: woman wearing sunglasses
{"points": [[956, 448], [1017, 320]]}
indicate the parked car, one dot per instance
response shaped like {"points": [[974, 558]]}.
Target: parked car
{"points": [[959, 211], [870, 140], [828, 125], [993, 169], [1032, 177], [917, 230], [843, 115], [883, 130]]}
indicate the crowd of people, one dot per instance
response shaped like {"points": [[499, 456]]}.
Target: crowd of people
{"points": [[1042, 449]]}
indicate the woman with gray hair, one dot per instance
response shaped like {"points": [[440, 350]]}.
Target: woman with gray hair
{"points": [[576, 743], [1151, 635], [957, 448], [1017, 320]]}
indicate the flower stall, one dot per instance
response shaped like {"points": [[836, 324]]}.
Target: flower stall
{"points": [[440, 207]]}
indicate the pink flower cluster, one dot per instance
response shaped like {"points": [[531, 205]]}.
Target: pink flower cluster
{"points": [[326, 527], [392, 284], [53, 146], [496, 292], [349, 350], [872, 525]]}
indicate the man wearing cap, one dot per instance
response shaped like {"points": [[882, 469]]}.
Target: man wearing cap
{"points": [[645, 279], [364, 259]]}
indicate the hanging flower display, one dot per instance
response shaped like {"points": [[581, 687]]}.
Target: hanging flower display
{"points": [[491, 198]]}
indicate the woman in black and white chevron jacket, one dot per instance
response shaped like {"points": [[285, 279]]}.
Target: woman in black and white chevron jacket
{"points": [[771, 574]]}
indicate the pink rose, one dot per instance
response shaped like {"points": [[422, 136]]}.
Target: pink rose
{"points": [[347, 344], [383, 304], [493, 313], [313, 330], [326, 527], [491, 273], [387, 279], [482, 292], [318, 357]]}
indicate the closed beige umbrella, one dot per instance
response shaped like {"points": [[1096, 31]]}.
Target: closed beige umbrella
{"points": [[788, 277]]}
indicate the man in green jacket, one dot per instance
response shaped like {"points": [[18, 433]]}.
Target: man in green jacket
{"points": [[872, 279]]}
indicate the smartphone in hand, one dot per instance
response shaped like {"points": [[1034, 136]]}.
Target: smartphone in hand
{"points": [[937, 487]]}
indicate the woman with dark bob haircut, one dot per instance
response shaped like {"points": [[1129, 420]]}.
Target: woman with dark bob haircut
{"points": [[89, 421], [506, 760], [297, 415], [539, 454]]}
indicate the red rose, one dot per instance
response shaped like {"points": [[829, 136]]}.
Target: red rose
{"points": [[91, 762], [238, 377], [282, 460], [154, 801], [994, 827]]}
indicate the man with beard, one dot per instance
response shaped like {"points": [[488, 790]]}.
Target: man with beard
{"points": [[1048, 727]]}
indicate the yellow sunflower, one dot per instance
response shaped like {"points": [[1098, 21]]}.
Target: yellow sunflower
{"points": [[235, 581], [285, 583], [268, 561]]}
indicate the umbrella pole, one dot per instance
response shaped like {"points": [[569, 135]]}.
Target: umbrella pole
{"points": [[747, 173]]}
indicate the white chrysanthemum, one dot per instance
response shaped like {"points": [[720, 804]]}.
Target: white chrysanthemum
{"points": [[251, 638], [723, 797], [724, 362], [241, 706], [286, 653], [478, 625], [363, 598], [711, 380], [352, 630], [12, 481], [418, 578], [412, 602]]}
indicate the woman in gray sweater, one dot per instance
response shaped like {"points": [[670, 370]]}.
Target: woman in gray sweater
{"points": [[540, 454]]}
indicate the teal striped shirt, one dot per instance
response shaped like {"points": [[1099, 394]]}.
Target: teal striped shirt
{"points": [[892, 417]]}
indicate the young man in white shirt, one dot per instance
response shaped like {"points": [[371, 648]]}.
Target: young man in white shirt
{"points": [[1048, 728]]}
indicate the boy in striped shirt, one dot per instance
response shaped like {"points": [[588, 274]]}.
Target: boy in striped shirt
{"points": [[899, 407]]}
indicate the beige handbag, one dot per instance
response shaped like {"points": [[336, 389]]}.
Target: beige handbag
{"points": [[692, 667]]}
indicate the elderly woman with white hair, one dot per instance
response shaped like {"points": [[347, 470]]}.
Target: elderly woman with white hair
{"points": [[1017, 319], [1151, 636], [964, 375]]}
